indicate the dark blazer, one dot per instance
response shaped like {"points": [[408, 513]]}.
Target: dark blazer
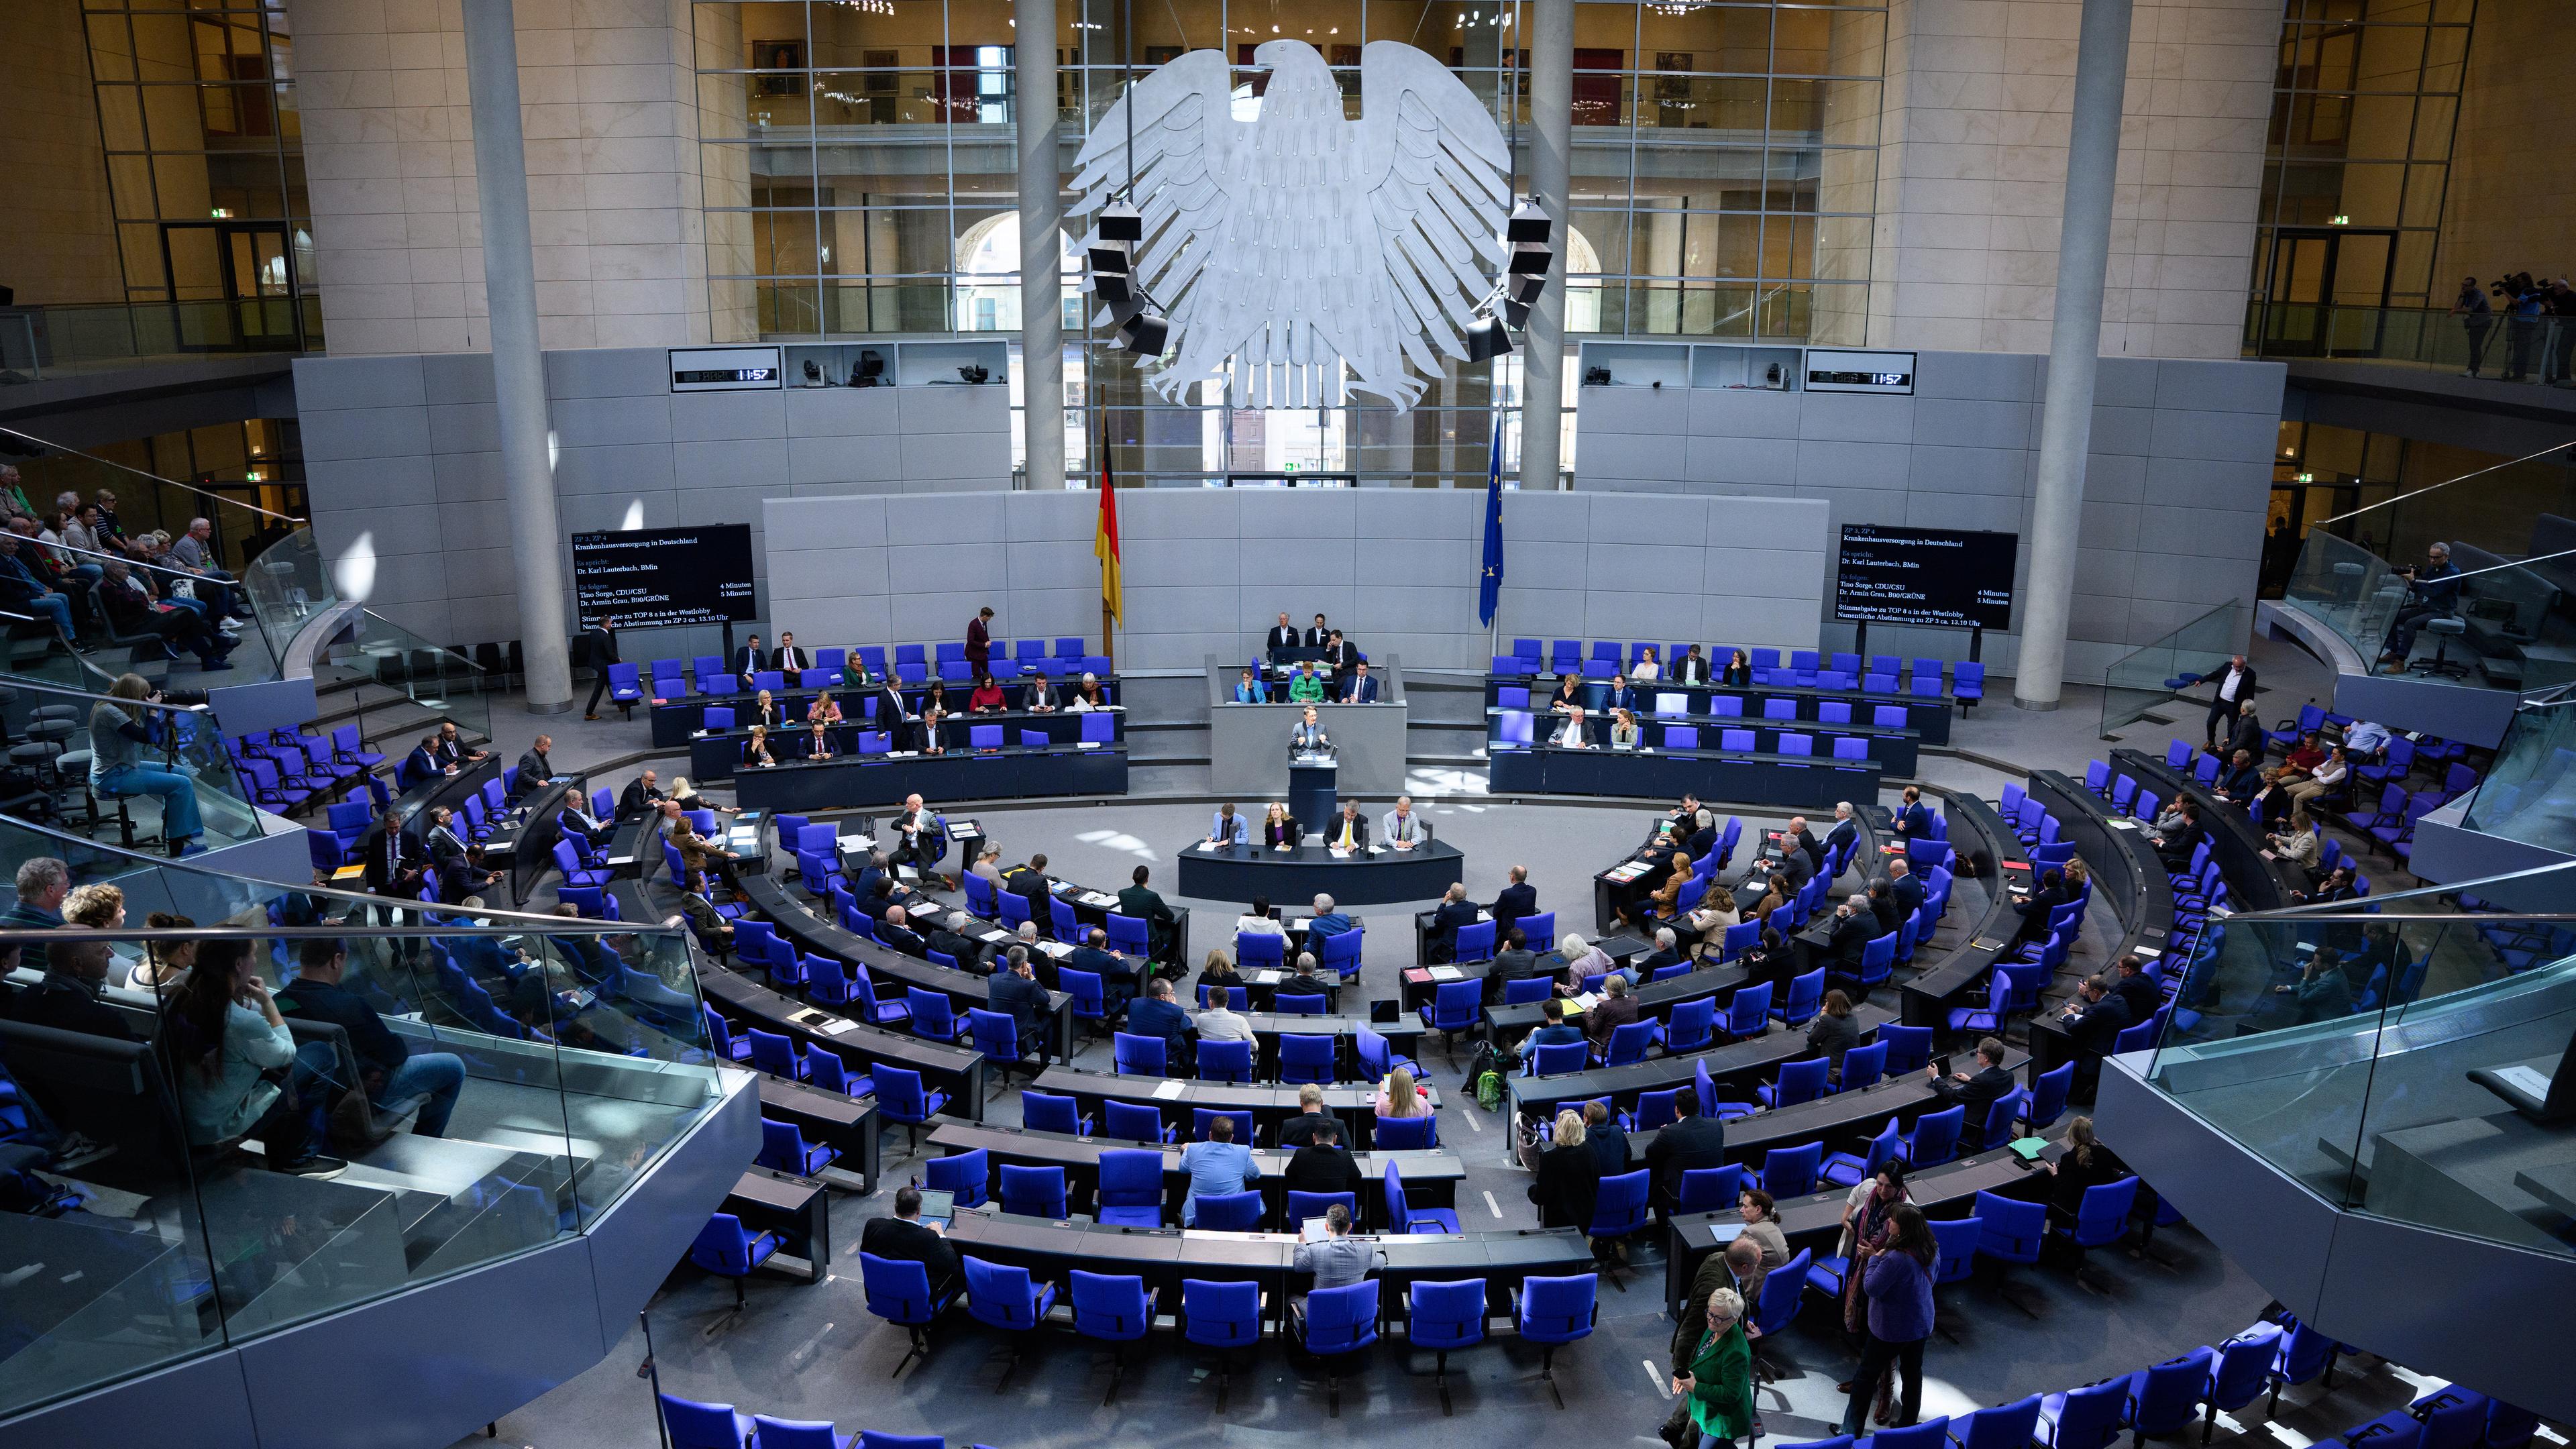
{"points": [[793, 658], [1796, 866], [421, 764], [1281, 636], [2241, 785], [1625, 698], [1512, 903], [1851, 936], [969, 957], [1318, 638], [1978, 1094], [2249, 737], [2096, 1027], [1843, 833], [1908, 890], [1026, 1001], [902, 938], [1736, 676], [1832, 1035], [1687, 670], [1915, 821], [535, 769], [2140, 992], [2244, 687], [1611, 1013], [1446, 921], [1030, 885], [1300, 1130], [1165, 1019], [1142, 902], [1887, 912], [603, 646], [1359, 831], [374, 1042], [1317, 1168], [1568, 1186], [1805, 840], [1609, 1148], [1360, 691], [1688, 1145], [892, 1237], [1286, 832], [747, 662], [65, 1005]]}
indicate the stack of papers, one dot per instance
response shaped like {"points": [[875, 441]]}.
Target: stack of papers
{"points": [[1446, 973]]}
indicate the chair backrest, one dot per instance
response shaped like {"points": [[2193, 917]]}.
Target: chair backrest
{"points": [[1130, 1122], [1036, 1192], [1392, 1133], [1909, 1048], [2012, 1229], [2092, 1417], [963, 1173], [1139, 1054], [1131, 1177], [1200, 1117], [1690, 1026], [1560, 1310], [1791, 1171], [2103, 1215], [1936, 1137], [1049, 1112], [1710, 1189], [1863, 1065], [2005, 1426], [1456, 1005], [1540, 930], [1340, 1319], [1225, 1061], [1233, 1212], [1801, 1081], [1750, 1010], [694, 1425], [1557, 1058], [1777, 1303], [1220, 1315], [898, 1289]]}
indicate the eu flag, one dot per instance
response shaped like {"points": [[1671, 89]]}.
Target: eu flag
{"points": [[1490, 584]]}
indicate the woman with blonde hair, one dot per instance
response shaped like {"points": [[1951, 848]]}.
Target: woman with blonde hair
{"points": [[1713, 916], [120, 731], [99, 906], [1569, 1177], [1400, 1097]]}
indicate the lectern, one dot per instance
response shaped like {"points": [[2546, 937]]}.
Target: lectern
{"points": [[1314, 796]]}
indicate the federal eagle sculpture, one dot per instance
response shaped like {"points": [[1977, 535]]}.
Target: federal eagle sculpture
{"points": [[1283, 245]]}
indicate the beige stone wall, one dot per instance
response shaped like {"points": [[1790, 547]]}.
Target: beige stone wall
{"points": [[609, 99], [62, 236], [1973, 162], [2512, 202]]}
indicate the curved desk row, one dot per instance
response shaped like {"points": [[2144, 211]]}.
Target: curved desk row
{"points": [[1842, 1121], [1892, 750], [1815, 1221], [1655, 1001], [811, 934], [1800, 781], [959, 1071], [410, 809], [524, 846], [720, 755], [1431, 1175], [1984, 847], [1929, 719], [2127, 872], [1737, 1064], [1240, 872], [1179, 1100], [811, 786], [1163, 1257], [2235, 841], [676, 719]]}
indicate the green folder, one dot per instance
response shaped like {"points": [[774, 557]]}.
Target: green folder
{"points": [[2029, 1148]]}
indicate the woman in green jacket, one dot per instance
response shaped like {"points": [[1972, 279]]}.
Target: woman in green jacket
{"points": [[1305, 686], [1720, 1381]]}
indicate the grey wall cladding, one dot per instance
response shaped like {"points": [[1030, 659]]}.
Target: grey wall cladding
{"points": [[2175, 492], [1208, 570]]}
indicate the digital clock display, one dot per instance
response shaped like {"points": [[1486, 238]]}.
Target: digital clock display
{"points": [[728, 374], [725, 369], [1835, 369], [1862, 379]]}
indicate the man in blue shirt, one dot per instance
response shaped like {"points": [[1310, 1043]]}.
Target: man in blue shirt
{"points": [[1557, 1031], [42, 883], [1229, 827], [1218, 1167], [1327, 922], [1159, 1015]]}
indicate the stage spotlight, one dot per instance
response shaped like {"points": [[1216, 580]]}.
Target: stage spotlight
{"points": [[1120, 222], [1486, 339], [1145, 332], [1520, 293]]}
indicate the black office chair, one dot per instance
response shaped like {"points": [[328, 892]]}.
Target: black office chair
{"points": [[2443, 629]]}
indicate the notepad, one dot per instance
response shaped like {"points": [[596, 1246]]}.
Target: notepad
{"points": [[1166, 1091]]}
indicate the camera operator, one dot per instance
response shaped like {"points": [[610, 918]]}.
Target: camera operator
{"points": [[2431, 590], [2477, 317]]}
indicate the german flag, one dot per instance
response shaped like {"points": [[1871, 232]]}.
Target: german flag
{"points": [[1104, 537]]}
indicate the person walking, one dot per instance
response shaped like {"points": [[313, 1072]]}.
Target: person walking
{"points": [[1719, 1385], [1897, 1282]]}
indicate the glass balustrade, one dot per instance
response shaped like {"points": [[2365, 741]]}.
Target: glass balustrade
{"points": [[2507, 624], [57, 727], [2149, 675], [40, 342], [2529, 793], [171, 1215], [2395, 1059], [2505, 348], [393, 667]]}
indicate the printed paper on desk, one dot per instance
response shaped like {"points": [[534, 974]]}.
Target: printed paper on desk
{"points": [[1168, 1090], [1268, 978], [837, 1025], [1446, 973]]}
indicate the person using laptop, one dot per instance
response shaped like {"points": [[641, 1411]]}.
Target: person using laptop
{"points": [[906, 1236]]}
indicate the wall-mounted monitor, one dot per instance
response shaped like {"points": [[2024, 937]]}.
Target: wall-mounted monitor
{"points": [[649, 576], [1946, 577]]}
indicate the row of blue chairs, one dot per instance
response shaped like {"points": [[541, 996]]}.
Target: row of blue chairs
{"points": [[696, 1425], [1803, 668], [1520, 727], [1669, 703], [1329, 1324], [708, 674]]}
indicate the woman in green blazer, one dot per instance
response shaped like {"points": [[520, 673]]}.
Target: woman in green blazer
{"points": [[1720, 1381]]}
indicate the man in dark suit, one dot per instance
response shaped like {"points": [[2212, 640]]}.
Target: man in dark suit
{"points": [[2177, 844], [893, 930], [1311, 1120], [1905, 885], [1795, 864], [1805, 840], [1322, 1166], [1117, 974], [2243, 780], [642, 796], [789, 658], [1913, 821], [916, 829], [2053, 892], [1667, 953], [905, 1236], [1282, 635], [1514, 901], [1029, 882], [876, 896], [749, 660], [534, 768], [1691, 668], [1359, 688], [1978, 1093], [1348, 830], [2231, 689], [422, 763], [602, 641], [1846, 830], [1142, 901], [2134, 986], [1689, 1144], [1853, 927], [1318, 636], [1619, 695], [2094, 1021], [1455, 911], [1514, 962], [66, 999], [1339, 654], [1159, 1015], [1883, 908], [969, 956], [1015, 990]]}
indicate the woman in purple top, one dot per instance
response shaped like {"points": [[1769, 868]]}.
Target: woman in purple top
{"points": [[1897, 1281]]}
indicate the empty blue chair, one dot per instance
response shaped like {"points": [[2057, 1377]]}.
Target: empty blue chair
{"points": [[1789, 1172], [1527, 991], [2085, 1418], [1133, 1122], [2011, 1232], [1232, 1212], [777, 1055], [1398, 1133], [1620, 1208], [1557, 1059], [1332, 1324], [1001, 1296], [1307, 1058], [1291, 1003], [694, 1425], [1127, 934], [1654, 1109], [1403, 1217], [2240, 1370], [1628, 1043], [963, 1175], [1222, 1316], [1455, 1006], [727, 1250], [1710, 1189], [2005, 1426], [1843, 1169], [1038, 1192], [902, 1098], [1052, 1112], [1555, 1311], [1137, 1055], [831, 1074], [2101, 1218], [933, 1015], [1801, 1081], [1115, 1309], [1226, 1061], [2048, 1096], [899, 1291], [2164, 1398], [1909, 1048], [1540, 931], [1935, 1138], [1691, 1026], [1131, 1187], [1442, 1316], [1862, 1067], [784, 1148], [1305, 1206], [1749, 1014], [1475, 943]]}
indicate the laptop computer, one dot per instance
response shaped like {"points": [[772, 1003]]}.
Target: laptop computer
{"points": [[937, 1206]]}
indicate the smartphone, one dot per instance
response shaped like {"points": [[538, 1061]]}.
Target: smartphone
{"points": [[1941, 1067]]}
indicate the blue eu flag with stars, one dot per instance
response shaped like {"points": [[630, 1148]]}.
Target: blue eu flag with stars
{"points": [[1490, 582]]}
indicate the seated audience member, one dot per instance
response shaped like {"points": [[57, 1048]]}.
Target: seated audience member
{"points": [[390, 1070], [1556, 1030], [460, 876], [1762, 1226], [2136, 988], [711, 928], [2323, 991], [1400, 1096], [1667, 952], [1327, 922], [755, 750], [818, 742], [2086, 1163], [895, 929], [66, 997], [1221, 1022], [2053, 892], [1615, 1009], [1691, 668], [451, 746], [1159, 1015], [1348, 831], [1258, 921], [1359, 688], [1738, 672], [131, 609], [1978, 1093], [1015, 990], [1305, 684], [824, 709], [1218, 1166], [1709, 921], [2176, 844], [124, 760], [969, 954], [905, 1237], [43, 883], [1833, 1032], [988, 864], [986, 697], [1608, 1143], [240, 1073], [1217, 974], [1250, 690], [1454, 912], [1515, 900], [1623, 730], [1087, 696], [1118, 975], [1687, 1144], [1514, 962], [1030, 883], [1311, 1118], [1228, 827], [1619, 695], [1569, 694], [1322, 1166], [1340, 1260], [1573, 734], [1583, 960], [686, 796], [1279, 830], [1773, 959], [2241, 781], [2325, 779], [1307, 978]]}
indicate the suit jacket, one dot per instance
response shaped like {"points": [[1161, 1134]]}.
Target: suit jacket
{"points": [[1446, 921], [1908, 890], [1914, 822], [2244, 686], [1796, 866], [1142, 902], [535, 769], [1165, 1019], [421, 763], [1281, 636], [1851, 937], [1237, 831], [1360, 691], [979, 641], [1317, 1168], [1647, 968], [1359, 829], [1843, 833], [2097, 1026], [791, 659], [748, 661], [1391, 828], [1806, 840], [1340, 657], [1608, 1014], [2141, 993], [892, 1237], [1621, 698], [1318, 638], [1514, 902], [1026, 1001], [1303, 739], [1029, 885], [68, 1005], [1286, 832], [1687, 1145], [2250, 738], [1978, 1094], [1887, 912], [603, 646], [968, 956], [1687, 670]]}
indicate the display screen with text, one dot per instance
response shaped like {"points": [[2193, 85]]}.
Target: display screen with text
{"points": [[1953, 578], [647, 576]]}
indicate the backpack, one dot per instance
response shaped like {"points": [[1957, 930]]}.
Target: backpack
{"points": [[1485, 1072]]}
